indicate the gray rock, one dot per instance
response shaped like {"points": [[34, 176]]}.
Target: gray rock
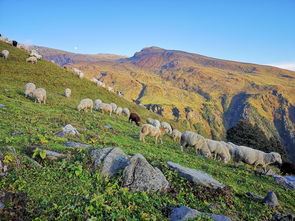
{"points": [[1, 205], [51, 155], [16, 132], [254, 196], [1, 156], [282, 217], [2, 105], [68, 130], [108, 127], [195, 176], [110, 160], [271, 200], [183, 213], [288, 181], [77, 145], [141, 176]]}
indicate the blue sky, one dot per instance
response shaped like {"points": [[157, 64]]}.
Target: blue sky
{"points": [[256, 31]]}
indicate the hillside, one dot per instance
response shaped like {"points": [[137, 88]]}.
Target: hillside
{"points": [[70, 189], [207, 95]]}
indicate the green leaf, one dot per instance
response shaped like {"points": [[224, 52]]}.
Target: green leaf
{"points": [[43, 154]]}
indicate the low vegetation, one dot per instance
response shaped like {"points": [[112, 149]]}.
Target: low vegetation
{"points": [[70, 189]]}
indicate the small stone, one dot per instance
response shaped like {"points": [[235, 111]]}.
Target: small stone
{"points": [[77, 145], [51, 155], [2, 105], [67, 130], [108, 127], [271, 200], [16, 132], [1, 205]]}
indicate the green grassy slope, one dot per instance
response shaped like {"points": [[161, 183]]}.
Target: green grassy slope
{"points": [[70, 190]]}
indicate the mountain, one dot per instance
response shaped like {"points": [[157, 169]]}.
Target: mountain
{"points": [[205, 94]]}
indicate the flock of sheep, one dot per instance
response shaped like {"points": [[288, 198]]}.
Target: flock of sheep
{"points": [[219, 150], [208, 148]]}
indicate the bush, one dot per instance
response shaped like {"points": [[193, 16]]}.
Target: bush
{"points": [[244, 133]]}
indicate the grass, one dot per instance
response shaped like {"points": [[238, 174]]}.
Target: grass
{"points": [[70, 189]]}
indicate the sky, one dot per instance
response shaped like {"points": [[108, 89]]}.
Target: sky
{"points": [[255, 31]]}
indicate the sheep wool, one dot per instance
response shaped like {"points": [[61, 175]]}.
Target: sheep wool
{"points": [[39, 95], [29, 88], [85, 104], [5, 54], [68, 92]]}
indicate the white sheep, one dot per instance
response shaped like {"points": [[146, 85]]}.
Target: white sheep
{"points": [[103, 107], [119, 110], [255, 157], [150, 130], [156, 123], [32, 60], [120, 94], [97, 102], [167, 126], [78, 73], [114, 107], [176, 135], [110, 89], [85, 104], [100, 84], [150, 120], [230, 146], [68, 92], [5, 54], [29, 88], [218, 149], [39, 95], [35, 54], [192, 139], [94, 80], [126, 111]]}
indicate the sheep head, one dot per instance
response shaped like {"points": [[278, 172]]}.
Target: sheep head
{"points": [[275, 158]]}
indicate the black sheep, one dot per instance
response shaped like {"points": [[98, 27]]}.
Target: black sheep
{"points": [[134, 117], [14, 43], [287, 167]]}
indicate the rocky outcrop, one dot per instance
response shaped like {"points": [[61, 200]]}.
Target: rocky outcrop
{"points": [[109, 160], [77, 145], [141, 176], [271, 200], [183, 213], [68, 130], [195, 176]]}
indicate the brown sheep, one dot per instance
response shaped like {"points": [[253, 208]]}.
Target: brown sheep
{"points": [[134, 117], [151, 131]]}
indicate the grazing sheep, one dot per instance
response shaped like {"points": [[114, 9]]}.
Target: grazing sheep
{"points": [[156, 123], [126, 111], [119, 110], [68, 92], [94, 80], [150, 130], [150, 120], [110, 89], [134, 118], [114, 106], [119, 93], [192, 139], [32, 60], [29, 88], [218, 149], [35, 54], [103, 107], [255, 157], [230, 146], [78, 73], [100, 83], [287, 167], [97, 102], [39, 95], [25, 48], [85, 104], [5, 54], [176, 135], [167, 126], [14, 43]]}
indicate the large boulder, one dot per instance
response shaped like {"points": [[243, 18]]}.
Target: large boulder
{"points": [[109, 160], [288, 181], [271, 200], [195, 176], [141, 176], [183, 213]]}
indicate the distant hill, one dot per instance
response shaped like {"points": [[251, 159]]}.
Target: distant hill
{"points": [[206, 94]]}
